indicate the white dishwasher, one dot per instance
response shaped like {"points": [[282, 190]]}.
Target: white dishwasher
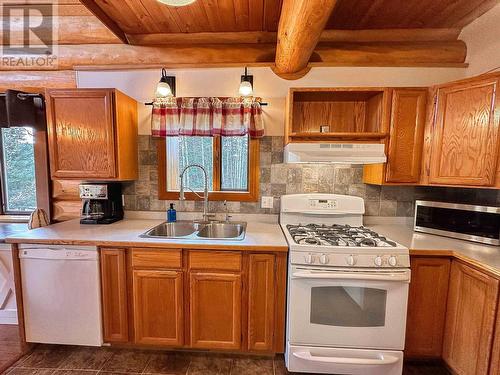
{"points": [[61, 294]]}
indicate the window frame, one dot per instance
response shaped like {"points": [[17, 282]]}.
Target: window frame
{"points": [[252, 195], [41, 156]]}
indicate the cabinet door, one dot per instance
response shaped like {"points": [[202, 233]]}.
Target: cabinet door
{"points": [[472, 302], [114, 295], [158, 307], [427, 307], [81, 133], [495, 353], [215, 310], [406, 135], [465, 135], [261, 288]]}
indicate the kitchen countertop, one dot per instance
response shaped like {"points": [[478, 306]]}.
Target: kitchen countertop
{"points": [[263, 236], [486, 257], [6, 229]]}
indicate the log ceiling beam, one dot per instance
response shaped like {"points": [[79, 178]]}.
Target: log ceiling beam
{"points": [[71, 30], [253, 37], [241, 37], [436, 53], [299, 30], [105, 19], [81, 29], [390, 35]]}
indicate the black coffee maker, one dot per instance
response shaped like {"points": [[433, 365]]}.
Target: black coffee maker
{"points": [[102, 203]]}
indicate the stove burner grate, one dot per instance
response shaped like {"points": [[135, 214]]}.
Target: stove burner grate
{"points": [[337, 235]]}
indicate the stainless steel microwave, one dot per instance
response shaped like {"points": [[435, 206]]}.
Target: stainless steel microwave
{"points": [[462, 221]]}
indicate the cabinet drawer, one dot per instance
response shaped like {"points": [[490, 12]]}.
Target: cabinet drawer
{"points": [[215, 260], [156, 258]]}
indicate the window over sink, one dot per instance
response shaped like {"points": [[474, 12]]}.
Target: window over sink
{"points": [[231, 162], [17, 163]]}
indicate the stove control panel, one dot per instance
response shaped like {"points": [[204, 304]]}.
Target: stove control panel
{"points": [[326, 204], [350, 260]]}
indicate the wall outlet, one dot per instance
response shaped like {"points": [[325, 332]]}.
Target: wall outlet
{"points": [[267, 202]]}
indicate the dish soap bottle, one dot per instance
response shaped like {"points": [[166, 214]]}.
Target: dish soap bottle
{"points": [[171, 214]]}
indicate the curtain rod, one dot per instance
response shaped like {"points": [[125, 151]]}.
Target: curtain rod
{"points": [[24, 95], [262, 104]]}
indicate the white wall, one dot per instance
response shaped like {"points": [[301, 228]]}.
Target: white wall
{"points": [[140, 84], [482, 37]]}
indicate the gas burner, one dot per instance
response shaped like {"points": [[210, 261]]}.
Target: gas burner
{"points": [[337, 235]]}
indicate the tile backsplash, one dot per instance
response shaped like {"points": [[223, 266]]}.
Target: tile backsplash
{"points": [[277, 179]]}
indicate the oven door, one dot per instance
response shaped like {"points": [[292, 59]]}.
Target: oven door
{"points": [[348, 308]]}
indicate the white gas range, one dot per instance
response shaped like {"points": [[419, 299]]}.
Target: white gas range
{"points": [[347, 289]]}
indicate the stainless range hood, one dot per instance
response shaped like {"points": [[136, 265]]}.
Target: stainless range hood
{"points": [[340, 153]]}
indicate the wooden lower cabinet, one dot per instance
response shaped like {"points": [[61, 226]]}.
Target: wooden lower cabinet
{"points": [[495, 352], [261, 305], [114, 295], [158, 307], [203, 299], [470, 320], [427, 307], [215, 310]]}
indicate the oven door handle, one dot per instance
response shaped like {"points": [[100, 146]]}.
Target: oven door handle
{"points": [[395, 276], [383, 360]]}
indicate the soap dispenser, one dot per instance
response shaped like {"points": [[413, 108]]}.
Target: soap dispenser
{"points": [[171, 214]]}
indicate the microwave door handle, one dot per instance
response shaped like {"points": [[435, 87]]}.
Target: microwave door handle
{"points": [[383, 360], [401, 276]]}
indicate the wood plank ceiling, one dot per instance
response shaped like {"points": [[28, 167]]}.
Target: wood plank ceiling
{"points": [[147, 33], [151, 16]]}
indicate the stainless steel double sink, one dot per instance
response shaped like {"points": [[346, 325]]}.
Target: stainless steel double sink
{"points": [[198, 230]]}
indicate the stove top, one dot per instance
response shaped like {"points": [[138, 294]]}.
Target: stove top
{"points": [[337, 235]]}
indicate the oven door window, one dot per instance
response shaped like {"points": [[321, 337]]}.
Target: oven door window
{"points": [[348, 306]]}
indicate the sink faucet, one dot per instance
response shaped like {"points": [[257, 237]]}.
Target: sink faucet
{"points": [[206, 215]]}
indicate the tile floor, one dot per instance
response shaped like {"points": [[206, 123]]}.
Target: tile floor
{"points": [[10, 345], [59, 360]]}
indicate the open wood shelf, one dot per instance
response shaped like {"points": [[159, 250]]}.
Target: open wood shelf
{"points": [[354, 114]]}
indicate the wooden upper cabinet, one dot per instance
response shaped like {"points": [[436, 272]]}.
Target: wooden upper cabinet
{"points": [[92, 134], [470, 319], [465, 136], [114, 295], [427, 307], [158, 307], [215, 310], [404, 155]]}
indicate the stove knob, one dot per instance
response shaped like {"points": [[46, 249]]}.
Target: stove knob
{"points": [[323, 259], [309, 258], [378, 261], [351, 261], [393, 260]]}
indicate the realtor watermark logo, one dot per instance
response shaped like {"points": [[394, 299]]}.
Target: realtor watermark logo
{"points": [[29, 36]]}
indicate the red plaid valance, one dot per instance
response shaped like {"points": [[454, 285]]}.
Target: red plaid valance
{"points": [[206, 117]]}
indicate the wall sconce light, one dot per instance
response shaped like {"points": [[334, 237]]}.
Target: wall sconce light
{"points": [[166, 86], [246, 85]]}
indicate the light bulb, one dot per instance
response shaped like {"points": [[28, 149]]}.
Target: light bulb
{"points": [[246, 88], [163, 90], [177, 3]]}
